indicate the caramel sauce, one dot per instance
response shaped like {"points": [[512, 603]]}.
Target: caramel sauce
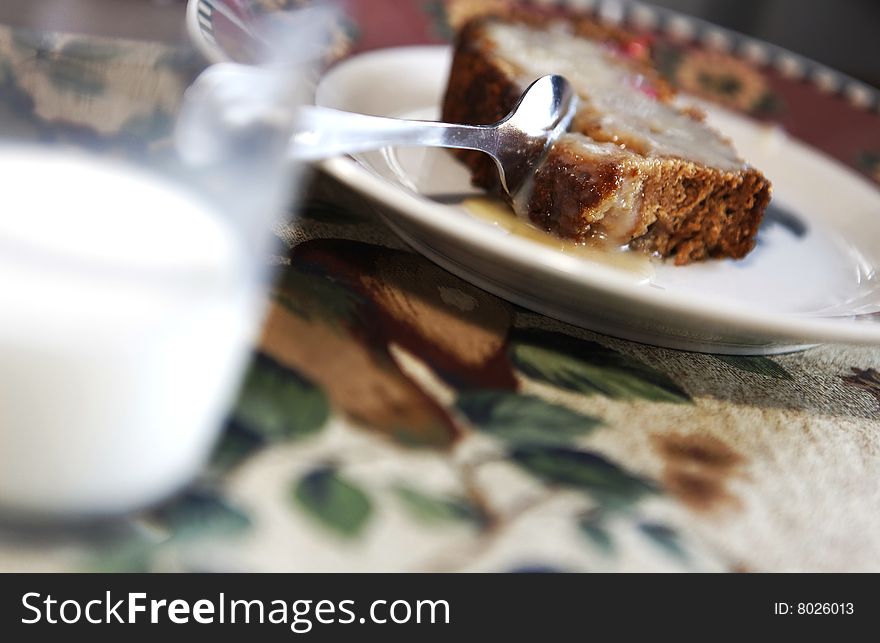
{"points": [[495, 211]]}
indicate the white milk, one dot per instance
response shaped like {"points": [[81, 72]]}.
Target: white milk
{"points": [[125, 317]]}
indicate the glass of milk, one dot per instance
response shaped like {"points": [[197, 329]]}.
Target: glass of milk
{"points": [[131, 294]]}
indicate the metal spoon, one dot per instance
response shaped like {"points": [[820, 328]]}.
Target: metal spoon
{"points": [[517, 143]]}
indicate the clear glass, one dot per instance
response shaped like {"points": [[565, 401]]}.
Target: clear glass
{"points": [[134, 239]]}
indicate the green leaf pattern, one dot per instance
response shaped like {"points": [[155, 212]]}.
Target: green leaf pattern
{"points": [[332, 501], [276, 403], [524, 419], [590, 368], [433, 509], [757, 364], [584, 470]]}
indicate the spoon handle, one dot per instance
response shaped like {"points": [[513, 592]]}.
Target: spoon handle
{"points": [[323, 132]]}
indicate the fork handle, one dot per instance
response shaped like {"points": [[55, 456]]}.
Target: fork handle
{"points": [[323, 132]]}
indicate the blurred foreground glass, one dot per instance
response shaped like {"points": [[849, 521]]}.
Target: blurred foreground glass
{"points": [[131, 262]]}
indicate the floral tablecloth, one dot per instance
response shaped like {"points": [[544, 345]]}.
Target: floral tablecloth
{"points": [[396, 418]]}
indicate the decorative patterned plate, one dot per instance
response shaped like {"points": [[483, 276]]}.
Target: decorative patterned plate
{"points": [[813, 277]]}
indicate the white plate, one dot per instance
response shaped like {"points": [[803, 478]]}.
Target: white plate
{"points": [[814, 267]]}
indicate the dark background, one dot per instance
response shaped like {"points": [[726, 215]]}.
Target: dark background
{"points": [[844, 34]]}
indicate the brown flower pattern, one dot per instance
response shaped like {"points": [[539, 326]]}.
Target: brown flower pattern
{"points": [[721, 78]]}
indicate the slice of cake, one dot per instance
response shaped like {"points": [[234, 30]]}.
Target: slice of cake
{"points": [[634, 169]]}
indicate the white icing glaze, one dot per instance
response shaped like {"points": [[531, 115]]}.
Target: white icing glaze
{"points": [[618, 214], [496, 212], [610, 87], [620, 211]]}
